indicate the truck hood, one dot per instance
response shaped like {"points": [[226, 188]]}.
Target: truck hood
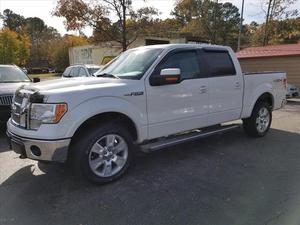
{"points": [[10, 88], [77, 84]]}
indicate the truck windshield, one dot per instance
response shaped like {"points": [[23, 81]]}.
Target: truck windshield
{"points": [[131, 64], [11, 74]]}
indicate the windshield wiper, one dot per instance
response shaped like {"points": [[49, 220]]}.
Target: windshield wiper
{"points": [[108, 75]]}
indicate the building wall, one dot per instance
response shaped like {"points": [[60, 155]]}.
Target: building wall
{"points": [[288, 64], [94, 54], [90, 54]]}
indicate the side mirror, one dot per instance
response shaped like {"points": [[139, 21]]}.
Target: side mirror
{"points": [[36, 80], [167, 76]]}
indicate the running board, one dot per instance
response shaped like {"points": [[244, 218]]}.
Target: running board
{"points": [[179, 139]]}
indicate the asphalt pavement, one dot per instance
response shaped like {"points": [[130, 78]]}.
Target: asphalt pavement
{"points": [[227, 179]]}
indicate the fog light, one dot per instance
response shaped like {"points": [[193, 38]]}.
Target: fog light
{"points": [[35, 150]]}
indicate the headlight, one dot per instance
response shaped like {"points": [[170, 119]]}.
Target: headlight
{"points": [[46, 113]]}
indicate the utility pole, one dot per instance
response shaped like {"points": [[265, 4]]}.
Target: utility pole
{"points": [[215, 21], [265, 42], [241, 26]]}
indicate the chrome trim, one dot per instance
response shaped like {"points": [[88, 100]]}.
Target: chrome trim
{"points": [[178, 140], [51, 150]]}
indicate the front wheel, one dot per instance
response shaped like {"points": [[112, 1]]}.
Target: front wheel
{"points": [[103, 154], [260, 121]]}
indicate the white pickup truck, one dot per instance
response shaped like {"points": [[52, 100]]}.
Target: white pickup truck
{"points": [[146, 99]]}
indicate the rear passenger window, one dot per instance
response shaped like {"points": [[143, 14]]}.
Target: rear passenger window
{"points": [[219, 63], [75, 72], [186, 61]]}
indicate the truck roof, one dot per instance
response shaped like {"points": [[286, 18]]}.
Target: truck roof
{"points": [[174, 46]]}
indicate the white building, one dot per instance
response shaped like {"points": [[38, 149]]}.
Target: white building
{"points": [[101, 54]]}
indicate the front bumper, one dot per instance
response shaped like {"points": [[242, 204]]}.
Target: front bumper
{"points": [[43, 150]]}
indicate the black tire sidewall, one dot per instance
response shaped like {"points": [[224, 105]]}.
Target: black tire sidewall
{"points": [[82, 149], [250, 123]]}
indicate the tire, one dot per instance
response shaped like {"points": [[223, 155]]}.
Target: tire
{"points": [[103, 154], [260, 121]]}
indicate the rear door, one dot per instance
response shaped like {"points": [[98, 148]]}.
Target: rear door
{"points": [[225, 86]]}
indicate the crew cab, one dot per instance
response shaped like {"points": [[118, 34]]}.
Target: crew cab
{"points": [[148, 98]]}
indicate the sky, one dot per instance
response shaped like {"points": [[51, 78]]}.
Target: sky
{"points": [[43, 9]]}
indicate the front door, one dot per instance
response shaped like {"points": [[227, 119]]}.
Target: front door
{"points": [[178, 107]]}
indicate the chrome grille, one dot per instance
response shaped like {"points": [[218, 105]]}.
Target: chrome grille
{"points": [[6, 99], [19, 110]]}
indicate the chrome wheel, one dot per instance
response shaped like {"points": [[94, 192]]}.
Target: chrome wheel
{"points": [[263, 120], [108, 155]]}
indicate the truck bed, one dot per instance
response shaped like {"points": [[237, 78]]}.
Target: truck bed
{"points": [[259, 82]]}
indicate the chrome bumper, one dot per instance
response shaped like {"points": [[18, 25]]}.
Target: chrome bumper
{"points": [[44, 150]]}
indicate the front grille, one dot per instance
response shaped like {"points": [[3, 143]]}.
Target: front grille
{"points": [[19, 110], [6, 99]]}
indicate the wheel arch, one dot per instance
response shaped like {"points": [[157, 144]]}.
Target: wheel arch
{"points": [[95, 120], [265, 97]]}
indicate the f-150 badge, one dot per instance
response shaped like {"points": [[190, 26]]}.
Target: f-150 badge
{"points": [[137, 93]]}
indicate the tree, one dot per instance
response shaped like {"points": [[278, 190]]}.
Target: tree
{"points": [[24, 49], [12, 20], [168, 28], [8, 47], [276, 9], [218, 23], [79, 14], [60, 57], [34, 36]]}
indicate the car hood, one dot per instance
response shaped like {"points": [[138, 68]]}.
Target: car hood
{"points": [[77, 84], [10, 88]]}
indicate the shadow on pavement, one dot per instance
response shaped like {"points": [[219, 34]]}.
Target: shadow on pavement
{"points": [[225, 179]]}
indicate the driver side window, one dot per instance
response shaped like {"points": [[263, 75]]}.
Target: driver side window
{"points": [[186, 61]]}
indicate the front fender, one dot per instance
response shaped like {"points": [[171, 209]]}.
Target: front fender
{"points": [[87, 109]]}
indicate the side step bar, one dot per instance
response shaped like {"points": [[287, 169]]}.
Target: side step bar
{"points": [[178, 139]]}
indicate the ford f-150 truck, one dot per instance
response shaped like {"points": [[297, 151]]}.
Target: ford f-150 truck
{"points": [[148, 98]]}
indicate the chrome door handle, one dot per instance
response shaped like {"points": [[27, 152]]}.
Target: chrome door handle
{"points": [[237, 85], [203, 89]]}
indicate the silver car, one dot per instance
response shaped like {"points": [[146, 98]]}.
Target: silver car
{"points": [[11, 78], [292, 91], [81, 70]]}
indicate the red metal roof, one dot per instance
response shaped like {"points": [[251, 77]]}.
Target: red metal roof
{"points": [[269, 51]]}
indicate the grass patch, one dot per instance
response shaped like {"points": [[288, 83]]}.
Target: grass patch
{"points": [[45, 76]]}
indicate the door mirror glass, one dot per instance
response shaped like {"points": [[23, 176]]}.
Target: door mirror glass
{"points": [[167, 76]]}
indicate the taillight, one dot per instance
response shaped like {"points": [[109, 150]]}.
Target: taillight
{"points": [[285, 83]]}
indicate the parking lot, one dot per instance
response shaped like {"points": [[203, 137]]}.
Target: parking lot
{"points": [[227, 179]]}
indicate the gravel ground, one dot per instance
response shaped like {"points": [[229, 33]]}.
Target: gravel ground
{"points": [[227, 179]]}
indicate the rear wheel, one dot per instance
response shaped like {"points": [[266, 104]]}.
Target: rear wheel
{"points": [[103, 154], [260, 121]]}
